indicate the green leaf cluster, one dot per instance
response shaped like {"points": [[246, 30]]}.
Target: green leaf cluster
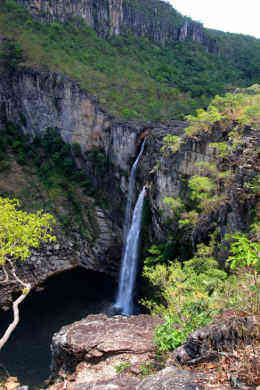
{"points": [[21, 231], [245, 253], [185, 295], [188, 296], [241, 108]]}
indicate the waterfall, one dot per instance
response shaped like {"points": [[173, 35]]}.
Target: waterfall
{"points": [[124, 301], [130, 195]]}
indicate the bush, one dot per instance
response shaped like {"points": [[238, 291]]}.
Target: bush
{"points": [[188, 296]]}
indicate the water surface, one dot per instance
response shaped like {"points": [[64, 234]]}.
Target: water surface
{"points": [[66, 298]]}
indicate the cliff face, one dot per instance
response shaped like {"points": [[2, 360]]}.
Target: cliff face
{"points": [[169, 176], [103, 15], [155, 20], [51, 100], [38, 100], [47, 100]]}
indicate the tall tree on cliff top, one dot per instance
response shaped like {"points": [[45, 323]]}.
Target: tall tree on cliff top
{"points": [[19, 233]]}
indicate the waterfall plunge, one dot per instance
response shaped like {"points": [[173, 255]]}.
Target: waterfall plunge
{"points": [[124, 301], [130, 195]]}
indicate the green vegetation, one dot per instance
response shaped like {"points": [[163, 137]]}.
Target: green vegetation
{"points": [[242, 107], [122, 366], [162, 12], [147, 369], [189, 295], [10, 56], [185, 296], [229, 117], [19, 233], [56, 184], [132, 77]]}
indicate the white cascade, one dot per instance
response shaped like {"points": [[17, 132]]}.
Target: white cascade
{"points": [[124, 302], [130, 196]]}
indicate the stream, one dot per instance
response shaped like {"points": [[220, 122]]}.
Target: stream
{"points": [[68, 297]]}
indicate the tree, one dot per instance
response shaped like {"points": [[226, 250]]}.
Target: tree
{"points": [[20, 231]]}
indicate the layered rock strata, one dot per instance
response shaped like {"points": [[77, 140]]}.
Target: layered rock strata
{"points": [[38, 100], [169, 174], [155, 20]]}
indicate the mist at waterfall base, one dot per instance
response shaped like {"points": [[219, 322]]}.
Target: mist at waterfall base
{"points": [[66, 298], [124, 302]]}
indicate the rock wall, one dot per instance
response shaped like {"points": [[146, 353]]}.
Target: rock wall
{"points": [[155, 20], [168, 176], [48, 99], [103, 15], [38, 100]]}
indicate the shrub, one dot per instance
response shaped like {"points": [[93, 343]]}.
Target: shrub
{"points": [[186, 295]]}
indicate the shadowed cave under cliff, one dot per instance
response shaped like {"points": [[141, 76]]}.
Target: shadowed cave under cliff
{"points": [[66, 298]]}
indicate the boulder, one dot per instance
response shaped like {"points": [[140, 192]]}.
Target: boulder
{"points": [[204, 344], [98, 349]]}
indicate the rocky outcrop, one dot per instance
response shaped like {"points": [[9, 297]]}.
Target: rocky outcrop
{"points": [[101, 353], [172, 378], [105, 16], [97, 348], [169, 173], [68, 252], [204, 344], [155, 20]]}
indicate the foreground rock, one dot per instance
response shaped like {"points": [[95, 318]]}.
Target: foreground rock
{"points": [[97, 348], [118, 353], [204, 344]]}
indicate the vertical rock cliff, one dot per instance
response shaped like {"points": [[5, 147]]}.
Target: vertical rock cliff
{"points": [[38, 100], [153, 19]]}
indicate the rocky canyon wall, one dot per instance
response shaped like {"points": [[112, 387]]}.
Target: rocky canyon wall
{"points": [[38, 100], [155, 20], [169, 174]]}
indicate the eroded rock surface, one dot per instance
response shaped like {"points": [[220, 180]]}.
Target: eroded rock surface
{"points": [[155, 20], [93, 351], [86, 354], [61, 103], [102, 353], [171, 378], [204, 344], [169, 174]]}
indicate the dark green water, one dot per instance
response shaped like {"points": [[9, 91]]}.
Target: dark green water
{"points": [[66, 298]]}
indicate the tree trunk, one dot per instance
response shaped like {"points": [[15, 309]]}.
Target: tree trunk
{"points": [[16, 319]]}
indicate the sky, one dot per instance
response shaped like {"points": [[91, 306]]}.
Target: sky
{"points": [[236, 16]]}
